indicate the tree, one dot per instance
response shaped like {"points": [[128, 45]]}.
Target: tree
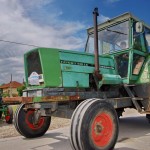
{"points": [[20, 90]]}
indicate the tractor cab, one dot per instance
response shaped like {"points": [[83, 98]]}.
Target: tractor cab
{"points": [[127, 41]]}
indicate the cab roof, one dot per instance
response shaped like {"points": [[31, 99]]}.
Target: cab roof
{"points": [[116, 20]]}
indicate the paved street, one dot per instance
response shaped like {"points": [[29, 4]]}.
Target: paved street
{"points": [[134, 135]]}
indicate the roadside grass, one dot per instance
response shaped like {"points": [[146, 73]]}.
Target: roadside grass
{"points": [[14, 107]]}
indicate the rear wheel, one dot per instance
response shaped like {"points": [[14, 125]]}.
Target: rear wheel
{"points": [[0, 114], [9, 115], [15, 118], [148, 117], [96, 126], [25, 123]]}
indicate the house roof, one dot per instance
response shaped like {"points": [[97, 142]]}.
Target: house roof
{"points": [[13, 84]]}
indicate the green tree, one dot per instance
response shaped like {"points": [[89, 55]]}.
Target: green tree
{"points": [[20, 90]]}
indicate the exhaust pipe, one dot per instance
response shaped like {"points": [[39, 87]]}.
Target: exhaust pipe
{"points": [[97, 71]]}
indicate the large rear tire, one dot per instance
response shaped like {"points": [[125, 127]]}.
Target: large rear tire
{"points": [[15, 118], [148, 117], [24, 123], [94, 126], [0, 114]]}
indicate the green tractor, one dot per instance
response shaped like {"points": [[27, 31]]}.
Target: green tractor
{"points": [[7, 111], [92, 87]]}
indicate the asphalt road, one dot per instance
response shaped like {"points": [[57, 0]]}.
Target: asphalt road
{"points": [[134, 135]]}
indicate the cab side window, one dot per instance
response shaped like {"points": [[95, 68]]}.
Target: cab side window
{"points": [[147, 36], [137, 63], [140, 40]]}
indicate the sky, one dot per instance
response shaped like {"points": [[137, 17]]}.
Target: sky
{"points": [[53, 23]]}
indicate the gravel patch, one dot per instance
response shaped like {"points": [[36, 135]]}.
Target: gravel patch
{"points": [[8, 130]]}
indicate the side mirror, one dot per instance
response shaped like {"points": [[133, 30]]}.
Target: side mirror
{"points": [[139, 27]]}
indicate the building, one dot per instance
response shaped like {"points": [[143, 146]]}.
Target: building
{"points": [[10, 89]]}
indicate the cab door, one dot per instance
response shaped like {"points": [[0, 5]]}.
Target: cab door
{"points": [[138, 55]]}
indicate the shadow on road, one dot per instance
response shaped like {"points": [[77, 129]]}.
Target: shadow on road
{"points": [[130, 128], [133, 127], [124, 148]]}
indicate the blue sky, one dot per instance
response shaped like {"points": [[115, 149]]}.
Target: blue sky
{"points": [[81, 10], [53, 23]]}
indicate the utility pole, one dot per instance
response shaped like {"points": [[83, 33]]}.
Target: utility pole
{"points": [[11, 86]]}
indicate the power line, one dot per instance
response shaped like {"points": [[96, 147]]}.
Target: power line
{"points": [[18, 43]]}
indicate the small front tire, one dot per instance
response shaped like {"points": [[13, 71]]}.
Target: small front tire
{"points": [[25, 125]]}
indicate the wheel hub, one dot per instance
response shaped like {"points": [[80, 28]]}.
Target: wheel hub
{"points": [[102, 129], [7, 118], [98, 128], [31, 122]]}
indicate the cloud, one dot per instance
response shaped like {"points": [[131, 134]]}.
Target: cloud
{"points": [[103, 18], [17, 25], [29, 4]]}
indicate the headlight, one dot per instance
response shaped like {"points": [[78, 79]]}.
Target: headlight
{"points": [[24, 94], [34, 93], [39, 93]]}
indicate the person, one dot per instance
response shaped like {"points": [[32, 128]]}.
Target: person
{"points": [[122, 63], [123, 45]]}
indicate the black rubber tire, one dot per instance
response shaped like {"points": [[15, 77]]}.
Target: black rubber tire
{"points": [[148, 117], [22, 123], [9, 114], [74, 124], [1, 114], [82, 131], [15, 118]]}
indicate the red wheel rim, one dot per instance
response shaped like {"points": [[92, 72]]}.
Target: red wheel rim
{"points": [[29, 121], [7, 117], [102, 129]]}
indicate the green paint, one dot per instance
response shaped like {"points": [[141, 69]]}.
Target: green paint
{"points": [[144, 76], [74, 79], [76, 67], [51, 67], [37, 99], [64, 68], [81, 62], [110, 79], [50, 63]]}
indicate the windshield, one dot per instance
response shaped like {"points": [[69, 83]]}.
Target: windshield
{"points": [[111, 39], [147, 35]]}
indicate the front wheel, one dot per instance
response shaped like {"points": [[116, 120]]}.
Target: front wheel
{"points": [[94, 126], [25, 125]]}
